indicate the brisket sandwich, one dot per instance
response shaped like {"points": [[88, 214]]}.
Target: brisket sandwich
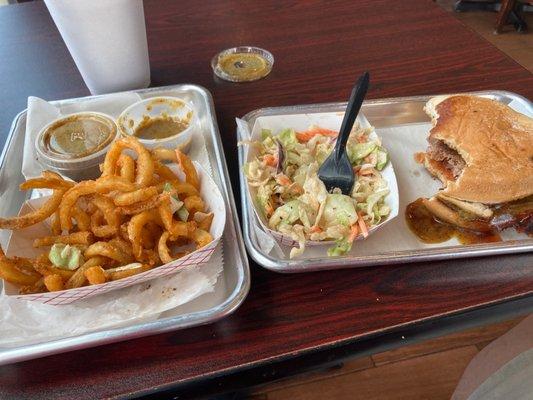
{"points": [[482, 151]]}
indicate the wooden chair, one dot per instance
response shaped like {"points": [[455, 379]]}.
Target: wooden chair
{"points": [[508, 11]]}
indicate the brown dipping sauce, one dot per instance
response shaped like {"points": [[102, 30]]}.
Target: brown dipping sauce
{"points": [[78, 136], [430, 230], [160, 127]]}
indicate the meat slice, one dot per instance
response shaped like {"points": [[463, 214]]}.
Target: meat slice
{"points": [[446, 156], [518, 215]]}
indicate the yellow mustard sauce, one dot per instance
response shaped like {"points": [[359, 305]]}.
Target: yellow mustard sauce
{"points": [[244, 66]]}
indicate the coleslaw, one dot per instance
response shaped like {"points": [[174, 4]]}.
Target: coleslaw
{"points": [[294, 201]]}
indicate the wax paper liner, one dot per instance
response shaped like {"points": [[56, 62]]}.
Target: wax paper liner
{"points": [[301, 122], [20, 244]]}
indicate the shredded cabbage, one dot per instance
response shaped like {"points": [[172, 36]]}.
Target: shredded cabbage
{"points": [[295, 201]]}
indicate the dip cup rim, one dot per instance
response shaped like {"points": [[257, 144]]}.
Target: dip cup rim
{"points": [[44, 156]]}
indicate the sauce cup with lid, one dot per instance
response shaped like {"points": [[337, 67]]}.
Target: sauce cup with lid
{"points": [[76, 144]]}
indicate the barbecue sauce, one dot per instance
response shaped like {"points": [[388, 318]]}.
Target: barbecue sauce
{"points": [[431, 230]]}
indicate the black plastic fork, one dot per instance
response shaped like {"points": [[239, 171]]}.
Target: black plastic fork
{"points": [[337, 171]]}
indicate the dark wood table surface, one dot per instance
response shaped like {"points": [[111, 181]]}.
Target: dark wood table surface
{"points": [[288, 322]]}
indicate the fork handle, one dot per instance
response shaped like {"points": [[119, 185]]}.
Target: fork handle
{"points": [[352, 109]]}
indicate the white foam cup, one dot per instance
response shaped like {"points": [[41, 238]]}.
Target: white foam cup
{"points": [[107, 40]]}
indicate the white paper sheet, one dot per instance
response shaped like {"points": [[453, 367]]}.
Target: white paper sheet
{"points": [[23, 322]]}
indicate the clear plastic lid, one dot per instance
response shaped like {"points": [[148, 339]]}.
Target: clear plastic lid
{"points": [[242, 64], [75, 142]]}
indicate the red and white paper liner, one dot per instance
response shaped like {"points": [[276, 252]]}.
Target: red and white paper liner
{"points": [[20, 244]]}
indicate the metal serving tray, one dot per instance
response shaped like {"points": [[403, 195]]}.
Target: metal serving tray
{"points": [[383, 114], [231, 287]]}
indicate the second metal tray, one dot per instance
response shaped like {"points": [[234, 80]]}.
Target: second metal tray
{"points": [[383, 114]]}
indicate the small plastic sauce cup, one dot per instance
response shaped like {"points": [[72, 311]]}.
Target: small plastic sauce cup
{"points": [[75, 145], [160, 122]]}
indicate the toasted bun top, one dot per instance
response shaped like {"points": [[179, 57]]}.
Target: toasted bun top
{"points": [[496, 143]]}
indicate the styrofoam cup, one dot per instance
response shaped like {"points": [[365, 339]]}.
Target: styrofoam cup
{"points": [[107, 40]]}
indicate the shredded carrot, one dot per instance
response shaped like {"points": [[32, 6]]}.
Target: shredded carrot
{"points": [[270, 160], [325, 132], [297, 189], [354, 231], [370, 159], [362, 139], [366, 171], [315, 229], [362, 225], [308, 135], [282, 179], [269, 209], [304, 136]]}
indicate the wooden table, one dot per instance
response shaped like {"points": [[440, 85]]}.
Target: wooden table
{"points": [[288, 322]]}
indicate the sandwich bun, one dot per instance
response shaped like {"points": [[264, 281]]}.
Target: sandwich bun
{"points": [[495, 142]]}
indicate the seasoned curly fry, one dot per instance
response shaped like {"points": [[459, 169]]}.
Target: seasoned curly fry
{"points": [[95, 275], [36, 216], [141, 206], [149, 257], [37, 287], [191, 176], [121, 224], [135, 226], [78, 279], [45, 268], [126, 167], [194, 204], [53, 282], [107, 249], [164, 154], [163, 250], [56, 225], [154, 228], [98, 227], [84, 238], [83, 220], [46, 183], [201, 238], [181, 189], [107, 208], [164, 172], [165, 212], [143, 194], [89, 187], [12, 271], [182, 229], [145, 164], [123, 245]]}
